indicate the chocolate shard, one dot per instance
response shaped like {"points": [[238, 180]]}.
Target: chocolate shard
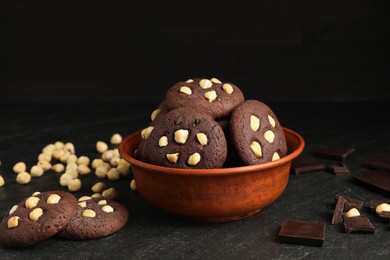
{"points": [[304, 164], [379, 162], [376, 180], [351, 203], [384, 215], [334, 152], [302, 232], [339, 169], [338, 210], [358, 224]]}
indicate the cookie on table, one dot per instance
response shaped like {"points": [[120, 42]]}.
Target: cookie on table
{"points": [[37, 217], [96, 218], [217, 98], [187, 138], [256, 133]]}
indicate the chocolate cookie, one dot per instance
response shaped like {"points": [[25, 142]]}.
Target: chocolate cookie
{"points": [[187, 138], [37, 217], [142, 151], [161, 110], [96, 218], [256, 134], [217, 98]]}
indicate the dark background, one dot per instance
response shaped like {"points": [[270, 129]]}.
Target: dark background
{"points": [[133, 51]]}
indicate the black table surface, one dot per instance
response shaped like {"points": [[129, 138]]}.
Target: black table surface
{"points": [[150, 233]]}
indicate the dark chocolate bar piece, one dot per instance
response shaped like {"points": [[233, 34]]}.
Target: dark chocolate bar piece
{"points": [[376, 180], [338, 210], [302, 232], [334, 152], [306, 164], [379, 162], [384, 215], [358, 224], [339, 169], [351, 203]]}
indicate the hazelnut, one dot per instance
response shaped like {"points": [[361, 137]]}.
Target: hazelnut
{"points": [[194, 159], [256, 149], [53, 199], [133, 185], [271, 121], [172, 157], [275, 156], [210, 95], [23, 178], [254, 123], [19, 167], [205, 83], [35, 214], [116, 139], [227, 88], [269, 136], [108, 209], [99, 187], [215, 80], [354, 212], [382, 207], [89, 213], [185, 90], [181, 136], [13, 222], [31, 202], [202, 138], [101, 146]]}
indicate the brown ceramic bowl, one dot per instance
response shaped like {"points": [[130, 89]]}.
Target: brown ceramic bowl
{"points": [[212, 195]]}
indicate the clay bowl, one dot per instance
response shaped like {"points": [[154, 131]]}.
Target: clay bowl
{"points": [[212, 195]]}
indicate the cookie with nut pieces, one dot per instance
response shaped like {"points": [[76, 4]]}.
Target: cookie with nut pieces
{"points": [[256, 134], [210, 95], [188, 138], [95, 218], [38, 217], [142, 151]]}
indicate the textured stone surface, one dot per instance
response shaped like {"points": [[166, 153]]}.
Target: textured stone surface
{"points": [[152, 234]]}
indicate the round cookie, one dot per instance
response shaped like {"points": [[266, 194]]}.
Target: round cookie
{"points": [[37, 217], [142, 151], [161, 110], [256, 133], [96, 218], [187, 138], [217, 98]]}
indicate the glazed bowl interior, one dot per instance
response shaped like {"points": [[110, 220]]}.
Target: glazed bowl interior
{"points": [[211, 195]]}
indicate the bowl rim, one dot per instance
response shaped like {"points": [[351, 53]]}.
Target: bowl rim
{"points": [[215, 171]]}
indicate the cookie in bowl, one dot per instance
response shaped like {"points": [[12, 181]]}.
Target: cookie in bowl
{"points": [[256, 134], [187, 138], [217, 98]]}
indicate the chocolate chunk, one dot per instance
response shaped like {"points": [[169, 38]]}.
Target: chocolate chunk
{"points": [[376, 203], [358, 224], [376, 180], [306, 164], [339, 169], [302, 232], [379, 162], [339, 210], [334, 152], [351, 203], [384, 215]]}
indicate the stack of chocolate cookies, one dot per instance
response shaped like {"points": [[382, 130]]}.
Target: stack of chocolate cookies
{"points": [[206, 123]]}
